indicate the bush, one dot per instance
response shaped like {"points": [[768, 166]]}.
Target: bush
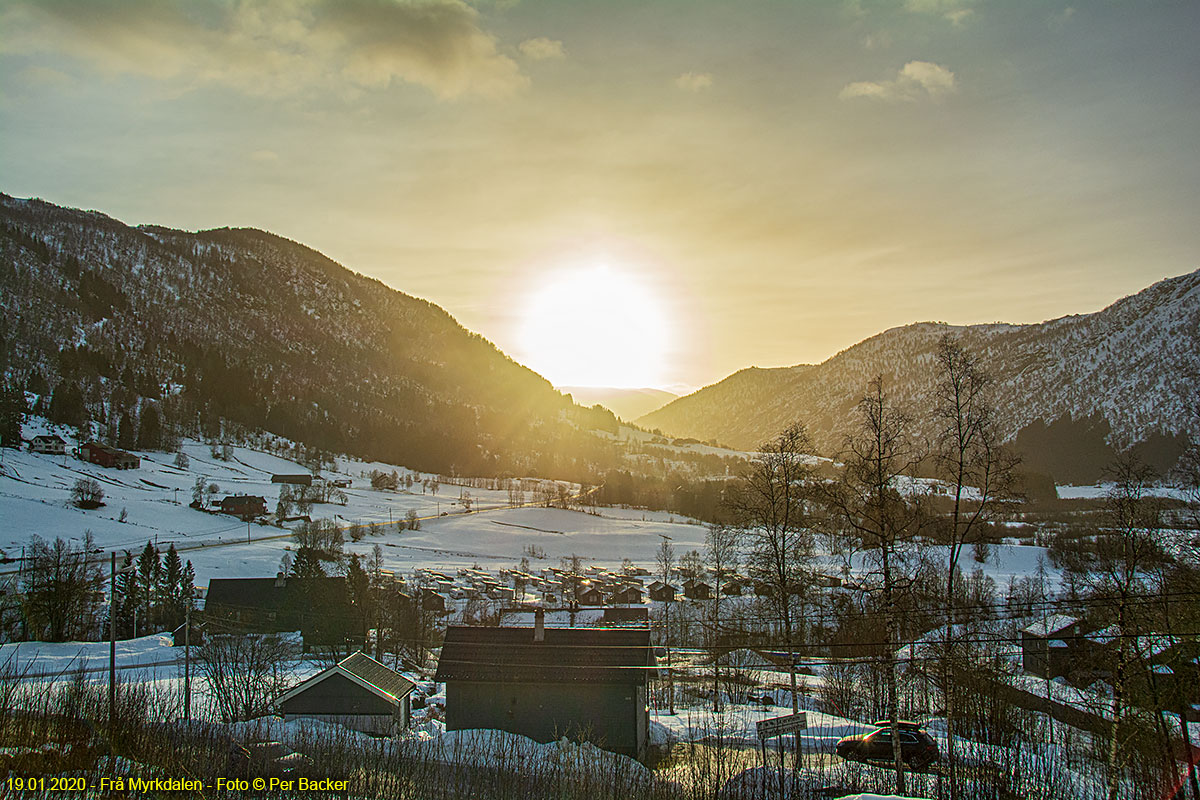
{"points": [[87, 493]]}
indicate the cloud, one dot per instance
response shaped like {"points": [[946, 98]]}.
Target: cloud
{"points": [[957, 11], [694, 81], [273, 46], [916, 80], [541, 49]]}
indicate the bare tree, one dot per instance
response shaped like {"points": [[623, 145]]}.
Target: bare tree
{"points": [[665, 560], [61, 589], [721, 554], [769, 504], [245, 673], [980, 474], [867, 503]]}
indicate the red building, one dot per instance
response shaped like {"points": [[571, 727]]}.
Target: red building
{"points": [[111, 457]]}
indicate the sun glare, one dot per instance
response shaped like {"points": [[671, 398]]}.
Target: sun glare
{"points": [[595, 326]]}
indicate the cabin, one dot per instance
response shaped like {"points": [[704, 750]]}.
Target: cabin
{"points": [[299, 479], [591, 597], [627, 595], [246, 506], [697, 590], [432, 601], [1052, 647], [547, 683], [662, 592], [358, 692], [52, 445], [110, 457], [317, 607]]}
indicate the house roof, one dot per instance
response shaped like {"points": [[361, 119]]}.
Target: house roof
{"points": [[360, 668], [566, 655], [271, 594], [53, 437], [1050, 626]]}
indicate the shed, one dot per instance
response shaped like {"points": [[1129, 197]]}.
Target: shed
{"points": [[697, 590], [299, 479], [546, 683], [357, 692]]}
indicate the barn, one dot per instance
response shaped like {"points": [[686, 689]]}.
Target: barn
{"points": [[357, 692], [547, 683]]}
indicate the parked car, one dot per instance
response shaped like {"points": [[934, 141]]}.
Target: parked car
{"points": [[917, 747]]}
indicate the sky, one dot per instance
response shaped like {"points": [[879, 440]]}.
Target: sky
{"points": [[641, 192]]}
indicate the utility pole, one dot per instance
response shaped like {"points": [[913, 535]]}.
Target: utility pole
{"points": [[247, 530], [112, 637], [187, 658]]}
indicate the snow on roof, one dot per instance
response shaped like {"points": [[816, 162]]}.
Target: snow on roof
{"points": [[1050, 625]]}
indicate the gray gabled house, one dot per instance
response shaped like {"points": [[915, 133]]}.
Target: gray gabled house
{"points": [[357, 692], [547, 683]]}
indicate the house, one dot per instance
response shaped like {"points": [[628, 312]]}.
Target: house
{"points": [[662, 592], [732, 588], [317, 607], [627, 595], [52, 445], [697, 590], [432, 601], [246, 506], [1052, 647], [358, 692], [591, 597], [105, 456], [547, 683], [301, 479]]}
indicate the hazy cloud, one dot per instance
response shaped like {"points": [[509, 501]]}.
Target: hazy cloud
{"points": [[273, 46], [916, 80], [694, 81], [541, 48], [956, 11]]}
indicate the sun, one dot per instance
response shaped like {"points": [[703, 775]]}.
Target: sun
{"points": [[595, 326]]}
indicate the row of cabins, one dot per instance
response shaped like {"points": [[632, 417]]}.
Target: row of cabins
{"points": [[541, 681], [1070, 648]]}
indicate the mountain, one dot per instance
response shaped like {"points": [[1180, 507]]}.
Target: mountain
{"points": [[625, 403], [1069, 391], [237, 327]]}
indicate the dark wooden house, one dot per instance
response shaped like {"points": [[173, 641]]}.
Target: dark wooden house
{"points": [[697, 590], [591, 597], [300, 479], [627, 595], [317, 607], [661, 592], [358, 692], [1053, 647], [547, 683], [246, 506]]}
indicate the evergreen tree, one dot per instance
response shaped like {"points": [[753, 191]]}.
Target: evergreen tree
{"points": [[66, 405], [13, 409], [171, 590], [307, 564], [149, 568], [125, 431], [150, 432]]}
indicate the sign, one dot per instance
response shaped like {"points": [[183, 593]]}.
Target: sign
{"points": [[777, 726]]}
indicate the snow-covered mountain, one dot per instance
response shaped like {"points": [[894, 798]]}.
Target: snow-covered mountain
{"points": [[103, 321], [1122, 374]]}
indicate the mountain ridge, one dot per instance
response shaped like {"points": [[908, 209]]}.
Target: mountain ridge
{"points": [[1128, 366]]}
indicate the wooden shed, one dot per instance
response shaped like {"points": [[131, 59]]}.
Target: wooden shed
{"points": [[358, 692], [547, 683]]}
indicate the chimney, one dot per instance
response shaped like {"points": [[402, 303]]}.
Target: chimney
{"points": [[539, 625], [279, 579]]}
